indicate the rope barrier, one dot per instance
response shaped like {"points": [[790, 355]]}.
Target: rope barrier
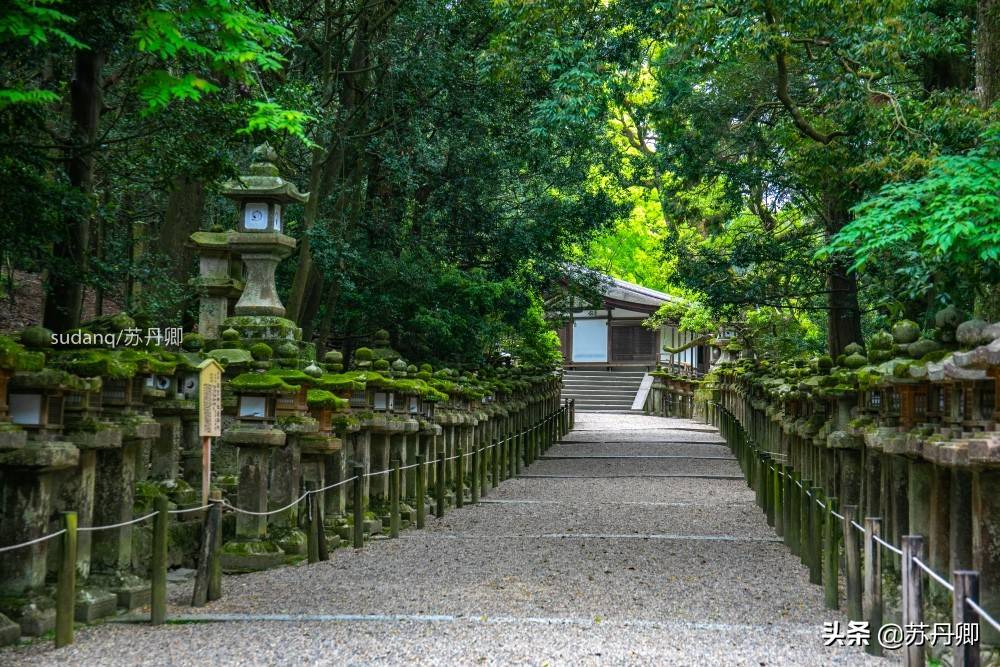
{"points": [[277, 511], [898, 552], [334, 485], [189, 509], [88, 529], [12, 547], [934, 575], [944, 583], [983, 614]]}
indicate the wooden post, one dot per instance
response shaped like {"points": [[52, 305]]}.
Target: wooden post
{"points": [[439, 483], [794, 500], [816, 537], [872, 595], [315, 530], [208, 553], [495, 463], [778, 501], [158, 573], [966, 585], [394, 481], [831, 563], [460, 479], [359, 506], [66, 585], [913, 598], [852, 561], [768, 484], [511, 456], [519, 446], [214, 564], [483, 486], [804, 534], [421, 492], [324, 548], [474, 482], [206, 467]]}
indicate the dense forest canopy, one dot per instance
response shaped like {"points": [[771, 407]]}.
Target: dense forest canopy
{"points": [[802, 169]]}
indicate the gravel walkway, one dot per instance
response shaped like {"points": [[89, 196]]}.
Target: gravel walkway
{"points": [[613, 561]]}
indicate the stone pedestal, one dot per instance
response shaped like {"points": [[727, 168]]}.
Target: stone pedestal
{"points": [[251, 550], [114, 493], [190, 454], [335, 470], [960, 520], [165, 454], [78, 492], [27, 488], [986, 542], [285, 473], [380, 453], [938, 526], [261, 253], [360, 454]]}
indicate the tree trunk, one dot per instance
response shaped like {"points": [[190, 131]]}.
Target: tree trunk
{"points": [[326, 168], [64, 302], [183, 215], [843, 311], [988, 52], [988, 89]]}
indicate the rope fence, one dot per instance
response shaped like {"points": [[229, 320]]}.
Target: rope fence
{"points": [[515, 447], [813, 538]]}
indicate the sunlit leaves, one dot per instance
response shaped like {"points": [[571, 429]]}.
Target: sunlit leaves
{"points": [[202, 43], [272, 118], [949, 220]]}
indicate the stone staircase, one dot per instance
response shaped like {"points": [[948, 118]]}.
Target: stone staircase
{"points": [[602, 390]]}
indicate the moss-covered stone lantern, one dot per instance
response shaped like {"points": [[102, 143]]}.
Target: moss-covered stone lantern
{"points": [[260, 197]]}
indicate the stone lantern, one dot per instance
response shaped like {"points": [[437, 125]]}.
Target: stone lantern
{"points": [[261, 197], [216, 282]]}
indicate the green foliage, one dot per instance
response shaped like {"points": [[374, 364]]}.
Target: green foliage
{"points": [[780, 334], [271, 118], [535, 344], [39, 23], [943, 227], [202, 42]]}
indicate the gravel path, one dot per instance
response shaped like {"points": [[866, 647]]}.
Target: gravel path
{"points": [[612, 562]]}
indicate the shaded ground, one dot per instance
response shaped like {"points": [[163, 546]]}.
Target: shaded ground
{"points": [[582, 569]]}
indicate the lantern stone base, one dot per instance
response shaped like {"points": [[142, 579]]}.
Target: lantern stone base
{"points": [[240, 556], [10, 631], [13, 438], [130, 590], [34, 614], [293, 542], [270, 329], [93, 604]]}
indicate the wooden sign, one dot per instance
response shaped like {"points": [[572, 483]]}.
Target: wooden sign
{"points": [[209, 417], [210, 399]]}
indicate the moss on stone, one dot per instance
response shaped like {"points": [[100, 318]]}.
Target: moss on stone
{"points": [[321, 398], [229, 355], [261, 382], [261, 352], [14, 357]]}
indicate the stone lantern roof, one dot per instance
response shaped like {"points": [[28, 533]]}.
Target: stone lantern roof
{"points": [[264, 180]]}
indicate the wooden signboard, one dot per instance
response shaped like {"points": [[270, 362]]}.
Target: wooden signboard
{"points": [[209, 416], [210, 399]]}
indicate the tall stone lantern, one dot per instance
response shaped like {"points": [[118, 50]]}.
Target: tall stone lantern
{"points": [[261, 198]]}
